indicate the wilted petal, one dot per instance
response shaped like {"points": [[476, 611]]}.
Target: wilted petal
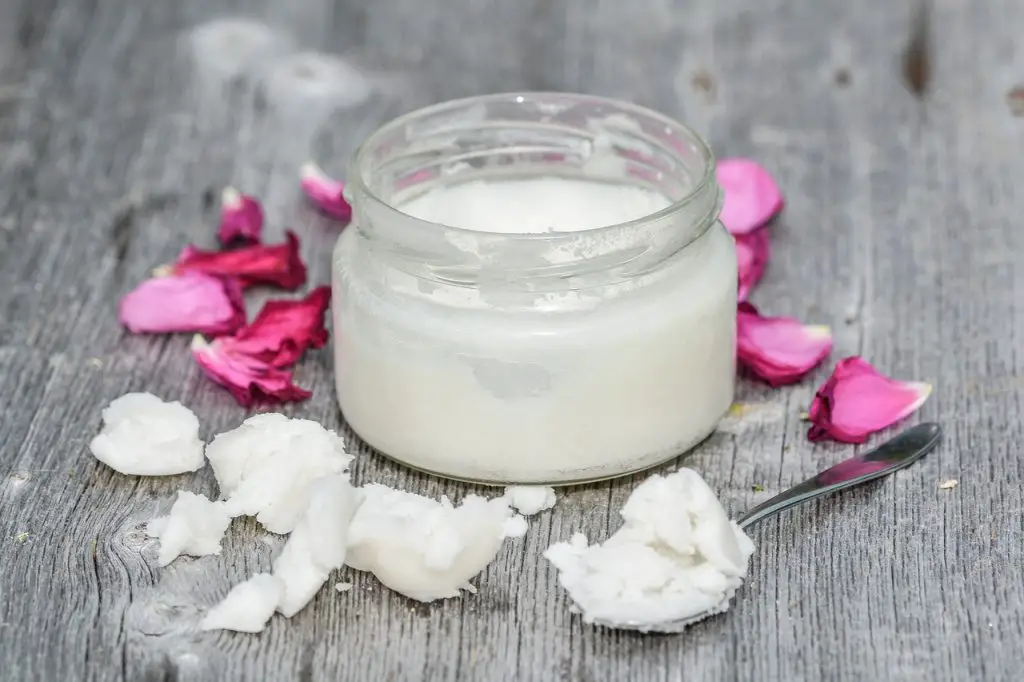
{"points": [[780, 350], [283, 330], [857, 400], [189, 302], [325, 192], [752, 251], [751, 196], [278, 264], [248, 379], [241, 218]]}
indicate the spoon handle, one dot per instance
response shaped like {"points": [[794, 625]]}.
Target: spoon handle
{"points": [[897, 453]]}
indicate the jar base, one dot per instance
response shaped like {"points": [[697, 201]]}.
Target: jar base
{"points": [[674, 453]]}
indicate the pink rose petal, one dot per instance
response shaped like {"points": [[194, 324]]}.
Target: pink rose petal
{"points": [[779, 350], [251, 363], [325, 192], [278, 264], [189, 302], [241, 218], [751, 196], [248, 379], [857, 400], [752, 252], [283, 330]]}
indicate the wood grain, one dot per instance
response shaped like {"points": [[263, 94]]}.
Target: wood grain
{"points": [[119, 120]]}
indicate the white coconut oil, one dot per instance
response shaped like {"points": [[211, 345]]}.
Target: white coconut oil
{"points": [[570, 319]]}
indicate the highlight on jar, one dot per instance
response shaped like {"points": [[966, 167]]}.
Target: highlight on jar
{"points": [[534, 288]]}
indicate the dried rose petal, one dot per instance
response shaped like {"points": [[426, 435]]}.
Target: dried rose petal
{"points": [[189, 302], [780, 350], [325, 192], [857, 400], [752, 251], [248, 379], [278, 264], [751, 196], [283, 330], [241, 218], [250, 363]]}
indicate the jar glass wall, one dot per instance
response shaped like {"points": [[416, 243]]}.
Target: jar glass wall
{"points": [[550, 357]]}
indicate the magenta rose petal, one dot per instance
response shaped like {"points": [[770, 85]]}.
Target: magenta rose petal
{"points": [[283, 330], [779, 350], [858, 400], [241, 218], [278, 264], [752, 198], [326, 193], [752, 253], [248, 379]]}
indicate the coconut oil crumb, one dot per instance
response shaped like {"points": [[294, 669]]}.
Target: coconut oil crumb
{"points": [[422, 548], [266, 466], [194, 527], [677, 557], [530, 499], [949, 485], [247, 607], [291, 474], [317, 546], [144, 436]]}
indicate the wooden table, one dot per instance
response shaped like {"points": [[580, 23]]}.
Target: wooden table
{"points": [[120, 120]]}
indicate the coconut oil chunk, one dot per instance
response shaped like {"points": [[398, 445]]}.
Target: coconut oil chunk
{"points": [[677, 557], [317, 546], [247, 607], [144, 436], [266, 467], [531, 499], [194, 526], [425, 549]]}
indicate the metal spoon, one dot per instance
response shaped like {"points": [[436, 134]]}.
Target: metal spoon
{"points": [[893, 455]]}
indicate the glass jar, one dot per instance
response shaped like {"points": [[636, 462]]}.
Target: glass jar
{"points": [[554, 357]]}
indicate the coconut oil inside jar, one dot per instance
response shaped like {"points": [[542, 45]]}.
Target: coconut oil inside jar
{"points": [[539, 305]]}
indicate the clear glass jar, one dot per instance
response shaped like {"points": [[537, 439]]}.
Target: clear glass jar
{"points": [[552, 357]]}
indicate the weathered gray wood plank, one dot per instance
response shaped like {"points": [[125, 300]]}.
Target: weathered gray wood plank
{"points": [[901, 231]]}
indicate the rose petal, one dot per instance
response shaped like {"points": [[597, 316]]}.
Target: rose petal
{"points": [[752, 252], [325, 192], [278, 264], [190, 302], [241, 218], [248, 379], [857, 400], [751, 196], [780, 350], [283, 330]]}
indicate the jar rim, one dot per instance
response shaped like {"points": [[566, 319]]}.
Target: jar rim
{"points": [[358, 159]]}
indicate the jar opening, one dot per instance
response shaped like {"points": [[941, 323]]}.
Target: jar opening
{"points": [[530, 135]]}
